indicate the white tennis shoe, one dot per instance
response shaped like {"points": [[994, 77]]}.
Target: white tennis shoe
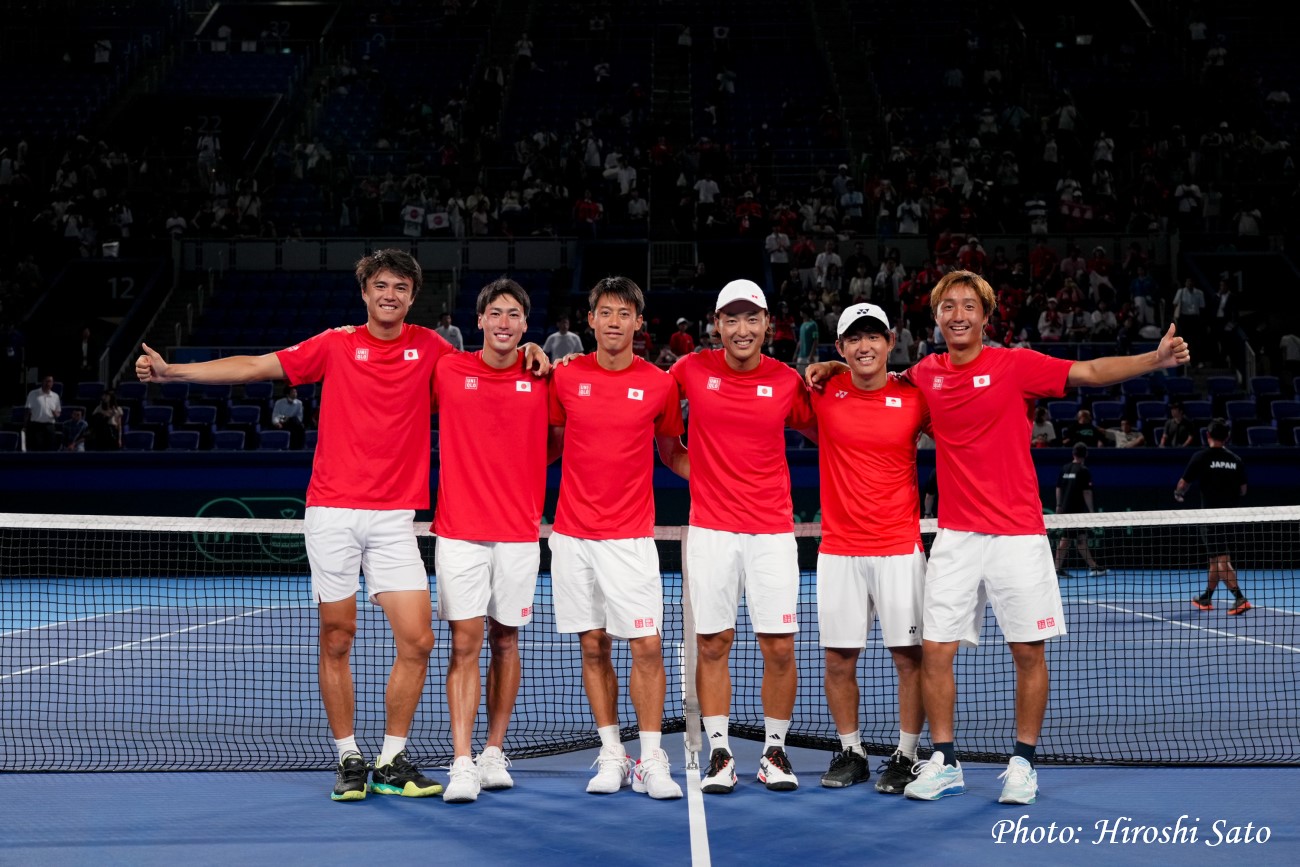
{"points": [[463, 786], [653, 777], [492, 765], [614, 771]]}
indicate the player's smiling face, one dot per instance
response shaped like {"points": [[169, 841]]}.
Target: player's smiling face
{"points": [[961, 317], [388, 297], [615, 322], [865, 352], [743, 328], [503, 324]]}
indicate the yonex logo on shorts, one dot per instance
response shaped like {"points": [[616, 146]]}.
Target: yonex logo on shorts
{"points": [[981, 381], [471, 382], [411, 355], [635, 394], [787, 618], [362, 353], [584, 389], [523, 385], [938, 383], [715, 383], [1047, 623], [893, 401], [765, 391]]}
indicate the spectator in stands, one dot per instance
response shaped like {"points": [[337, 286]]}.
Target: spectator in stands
{"points": [[287, 414], [642, 344], [1189, 307], [638, 209], [784, 339], [449, 332], [824, 260], [1125, 436], [106, 423], [682, 343], [41, 415], [1104, 325], [562, 341], [909, 215], [1043, 432], [1042, 262], [1051, 324], [861, 287], [587, 214], [806, 350], [777, 245], [900, 357], [75, 431], [1224, 319], [1178, 430], [1082, 431]]}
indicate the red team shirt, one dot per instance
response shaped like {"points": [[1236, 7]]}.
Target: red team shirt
{"points": [[740, 481], [610, 419], [492, 433], [867, 457], [982, 413], [372, 450]]}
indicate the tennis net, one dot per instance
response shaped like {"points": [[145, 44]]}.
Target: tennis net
{"points": [[190, 644]]}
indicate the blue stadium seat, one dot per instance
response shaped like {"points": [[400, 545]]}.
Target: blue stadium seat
{"points": [[245, 418], [309, 440], [1107, 411], [183, 441], [1198, 410], [1265, 386], [1216, 385], [228, 441], [9, 440], [1062, 410], [1241, 413], [89, 392], [1261, 435], [273, 441], [137, 441], [1151, 409], [1179, 386]]}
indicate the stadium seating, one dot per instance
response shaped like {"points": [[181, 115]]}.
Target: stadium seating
{"points": [[183, 441], [273, 441], [9, 440], [1261, 435], [137, 441], [228, 441]]}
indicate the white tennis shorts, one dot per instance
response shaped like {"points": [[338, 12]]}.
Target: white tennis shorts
{"points": [[610, 584], [377, 542], [852, 591], [497, 579], [1015, 573], [722, 566]]}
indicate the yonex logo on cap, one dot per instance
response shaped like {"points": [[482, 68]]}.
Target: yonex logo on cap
{"points": [[981, 381], [893, 401], [635, 394], [411, 355], [584, 389], [363, 354], [765, 391], [523, 385], [715, 383], [471, 382]]}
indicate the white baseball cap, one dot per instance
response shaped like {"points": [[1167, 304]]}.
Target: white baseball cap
{"points": [[741, 290], [681, 319], [860, 311]]}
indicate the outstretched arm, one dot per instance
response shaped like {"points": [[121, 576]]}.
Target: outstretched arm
{"points": [[150, 367], [1172, 352]]}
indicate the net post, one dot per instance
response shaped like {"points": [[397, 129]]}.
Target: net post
{"points": [[690, 700]]}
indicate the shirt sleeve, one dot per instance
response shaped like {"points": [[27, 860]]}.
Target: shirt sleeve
{"points": [[678, 373], [801, 413], [1041, 375], [1193, 471], [555, 407], [669, 421], [306, 361]]}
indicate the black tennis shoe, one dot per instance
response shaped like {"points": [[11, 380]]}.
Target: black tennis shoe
{"points": [[846, 769], [350, 779], [895, 774], [400, 777]]}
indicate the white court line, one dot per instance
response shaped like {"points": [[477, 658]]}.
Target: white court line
{"points": [[700, 856], [74, 620], [129, 644], [1218, 632]]}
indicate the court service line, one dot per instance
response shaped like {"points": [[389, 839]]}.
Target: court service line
{"points": [[129, 644], [1200, 628], [700, 856], [74, 620]]}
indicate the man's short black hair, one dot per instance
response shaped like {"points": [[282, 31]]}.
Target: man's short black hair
{"points": [[1080, 450], [497, 288], [620, 288], [1218, 430], [400, 262]]}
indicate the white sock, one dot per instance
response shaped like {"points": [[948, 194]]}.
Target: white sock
{"points": [[392, 746], [649, 742], [609, 738], [715, 731], [774, 732], [347, 745], [907, 743], [852, 741]]}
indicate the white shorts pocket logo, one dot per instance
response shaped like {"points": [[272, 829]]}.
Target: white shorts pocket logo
{"points": [[981, 381]]}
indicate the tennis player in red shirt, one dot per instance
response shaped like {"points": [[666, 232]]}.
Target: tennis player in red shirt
{"points": [[741, 537], [369, 474], [992, 543], [611, 407], [492, 432], [871, 562]]}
